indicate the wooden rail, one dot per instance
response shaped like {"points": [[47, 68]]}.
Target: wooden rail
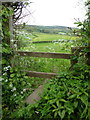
{"points": [[75, 51], [45, 54], [40, 74]]}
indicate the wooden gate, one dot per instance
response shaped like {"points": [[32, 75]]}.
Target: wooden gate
{"points": [[75, 51]]}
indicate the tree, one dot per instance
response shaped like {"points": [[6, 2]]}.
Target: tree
{"points": [[14, 10]]}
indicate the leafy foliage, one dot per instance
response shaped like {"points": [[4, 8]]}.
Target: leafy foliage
{"points": [[14, 86], [85, 27], [65, 97]]}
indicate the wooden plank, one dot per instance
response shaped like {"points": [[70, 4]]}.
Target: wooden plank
{"points": [[45, 54], [40, 74]]}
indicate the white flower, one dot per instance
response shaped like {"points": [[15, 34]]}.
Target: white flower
{"points": [[21, 92], [6, 80], [14, 94], [6, 68], [36, 112], [1, 79], [15, 45], [14, 89], [12, 40], [24, 90], [11, 85]]}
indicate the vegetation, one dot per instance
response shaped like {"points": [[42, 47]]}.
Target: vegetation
{"points": [[64, 97], [49, 29], [42, 42]]}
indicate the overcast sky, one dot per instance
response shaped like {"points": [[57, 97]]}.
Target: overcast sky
{"points": [[55, 12]]}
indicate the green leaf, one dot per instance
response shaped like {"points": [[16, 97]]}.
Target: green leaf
{"points": [[57, 102], [69, 107], [18, 75], [84, 99], [84, 112], [87, 50], [79, 23], [54, 106], [55, 114], [62, 100], [52, 101], [59, 113], [12, 75], [75, 104], [72, 96], [63, 114], [46, 97], [26, 77], [4, 61]]}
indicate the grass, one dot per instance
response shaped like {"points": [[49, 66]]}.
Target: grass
{"points": [[45, 64], [48, 64], [51, 37], [49, 47], [64, 46]]}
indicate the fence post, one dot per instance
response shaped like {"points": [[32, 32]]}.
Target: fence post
{"points": [[74, 60]]}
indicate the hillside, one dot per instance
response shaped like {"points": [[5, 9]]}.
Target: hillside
{"points": [[49, 29]]}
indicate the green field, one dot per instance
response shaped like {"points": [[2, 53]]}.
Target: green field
{"points": [[51, 37], [46, 64], [48, 47], [64, 46]]}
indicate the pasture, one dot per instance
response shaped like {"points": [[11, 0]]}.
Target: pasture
{"points": [[63, 44], [59, 43], [51, 37]]}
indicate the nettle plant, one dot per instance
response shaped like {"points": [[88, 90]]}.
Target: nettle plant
{"points": [[64, 98], [14, 86]]}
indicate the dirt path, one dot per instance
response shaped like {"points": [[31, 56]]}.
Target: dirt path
{"points": [[35, 96]]}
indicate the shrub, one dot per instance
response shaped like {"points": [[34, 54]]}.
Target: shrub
{"points": [[64, 98], [14, 84]]}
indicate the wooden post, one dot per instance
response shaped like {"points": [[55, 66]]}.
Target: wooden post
{"points": [[75, 52], [11, 31]]}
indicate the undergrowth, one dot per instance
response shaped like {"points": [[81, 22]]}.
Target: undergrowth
{"points": [[64, 98]]}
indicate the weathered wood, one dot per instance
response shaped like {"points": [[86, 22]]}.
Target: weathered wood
{"points": [[35, 96], [45, 54], [40, 74]]}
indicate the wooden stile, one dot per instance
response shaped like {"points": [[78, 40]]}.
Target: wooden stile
{"points": [[45, 54], [75, 52], [40, 74]]}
